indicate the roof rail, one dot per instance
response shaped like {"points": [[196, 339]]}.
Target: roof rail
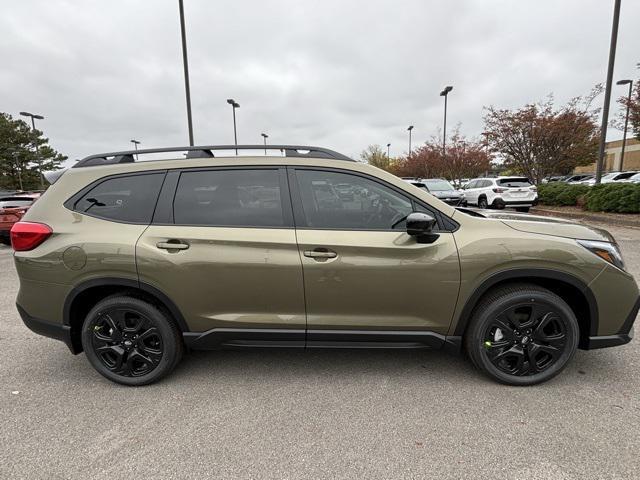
{"points": [[300, 151]]}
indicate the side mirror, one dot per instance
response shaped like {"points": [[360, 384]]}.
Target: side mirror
{"points": [[420, 225]]}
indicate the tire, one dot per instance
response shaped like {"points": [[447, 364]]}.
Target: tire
{"points": [[522, 209], [521, 335], [130, 341], [482, 202], [5, 241]]}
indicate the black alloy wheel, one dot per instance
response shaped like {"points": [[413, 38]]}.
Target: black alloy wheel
{"points": [[131, 341], [522, 334]]}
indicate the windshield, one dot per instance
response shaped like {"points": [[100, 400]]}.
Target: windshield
{"points": [[438, 185], [513, 182]]}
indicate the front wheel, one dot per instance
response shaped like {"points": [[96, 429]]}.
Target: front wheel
{"points": [[482, 203], [522, 335], [130, 341]]}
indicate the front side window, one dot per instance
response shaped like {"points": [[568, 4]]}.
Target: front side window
{"points": [[243, 197], [129, 199], [344, 201]]}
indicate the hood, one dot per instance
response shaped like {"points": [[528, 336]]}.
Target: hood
{"points": [[446, 193], [558, 227]]}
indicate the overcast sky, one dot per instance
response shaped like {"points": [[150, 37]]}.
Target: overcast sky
{"points": [[337, 73]]}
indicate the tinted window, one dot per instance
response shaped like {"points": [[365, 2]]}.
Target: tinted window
{"points": [[13, 202], [513, 182], [344, 201], [247, 198], [472, 184], [126, 199]]}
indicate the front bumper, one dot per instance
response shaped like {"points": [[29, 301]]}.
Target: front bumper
{"points": [[453, 201], [56, 331], [623, 337]]}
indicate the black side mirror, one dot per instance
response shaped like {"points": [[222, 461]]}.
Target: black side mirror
{"points": [[420, 225]]}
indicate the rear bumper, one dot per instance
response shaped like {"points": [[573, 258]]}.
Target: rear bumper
{"points": [[500, 203], [56, 331]]}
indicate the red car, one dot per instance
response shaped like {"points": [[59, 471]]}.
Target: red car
{"points": [[11, 211]]}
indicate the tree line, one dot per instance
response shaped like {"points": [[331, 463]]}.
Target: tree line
{"points": [[537, 140], [24, 152]]}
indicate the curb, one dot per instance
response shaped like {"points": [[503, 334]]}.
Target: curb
{"points": [[594, 217]]}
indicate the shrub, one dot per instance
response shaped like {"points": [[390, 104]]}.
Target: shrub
{"points": [[608, 197], [560, 193], [614, 197]]}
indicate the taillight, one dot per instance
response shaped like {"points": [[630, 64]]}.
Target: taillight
{"points": [[499, 190], [28, 235]]}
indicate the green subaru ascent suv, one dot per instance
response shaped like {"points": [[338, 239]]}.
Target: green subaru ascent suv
{"points": [[135, 262]]}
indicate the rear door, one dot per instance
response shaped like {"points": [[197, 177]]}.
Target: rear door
{"points": [[222, 246], [362, 272]]}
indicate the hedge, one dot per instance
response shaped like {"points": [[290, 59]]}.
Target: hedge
{"points": [[608, 197]]}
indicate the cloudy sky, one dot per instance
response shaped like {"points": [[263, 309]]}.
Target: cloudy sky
{"points": [[337, 73]]}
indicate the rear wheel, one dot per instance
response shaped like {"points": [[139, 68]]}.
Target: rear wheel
{"points": [[522, 335], [5, 240], [130, 341]]}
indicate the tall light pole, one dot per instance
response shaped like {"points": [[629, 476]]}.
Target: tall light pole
{"points": [[185, 62], [445, 93], [388, 151], [409, 129], [626, 118], [607, 91], [234, 105], [136, 143], [35, 141], [265, 136]]}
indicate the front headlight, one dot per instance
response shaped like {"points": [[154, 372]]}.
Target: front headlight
{"points": [[605, 250]]}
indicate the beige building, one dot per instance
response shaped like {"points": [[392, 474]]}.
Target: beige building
{"points": [[613, 157]]}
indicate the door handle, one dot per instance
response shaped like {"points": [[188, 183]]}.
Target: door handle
{"points": [[172, 245], [320, 253]]}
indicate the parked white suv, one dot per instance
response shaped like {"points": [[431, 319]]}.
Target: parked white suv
{"points": [[501, 192]]}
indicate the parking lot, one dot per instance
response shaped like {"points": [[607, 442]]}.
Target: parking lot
{"points": [[317, 414]]}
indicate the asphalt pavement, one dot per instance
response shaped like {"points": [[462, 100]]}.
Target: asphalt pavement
{"points": [[313, 414]]}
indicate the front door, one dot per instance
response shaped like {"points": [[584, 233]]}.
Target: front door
{"points": [[362, 272], [225, 253]]}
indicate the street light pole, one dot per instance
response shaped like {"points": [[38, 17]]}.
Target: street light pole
{"points": [[35, 141], [626, 119], [187, 90], [234, 105], [410, 128], [445, 93], [136, 143], [607, 91], [265, 136]]}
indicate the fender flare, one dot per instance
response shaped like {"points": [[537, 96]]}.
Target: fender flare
{"points": [[528, 274], [123, 282]]}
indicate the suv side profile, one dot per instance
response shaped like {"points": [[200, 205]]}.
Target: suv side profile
{"points": [[501, 192], [136, 262]]}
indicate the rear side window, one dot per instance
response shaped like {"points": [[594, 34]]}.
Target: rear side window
{"points": [[129, 199], [244, 198], [513, 182]]}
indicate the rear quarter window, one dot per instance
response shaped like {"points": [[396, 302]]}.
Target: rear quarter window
{"points": [[130, 199]]}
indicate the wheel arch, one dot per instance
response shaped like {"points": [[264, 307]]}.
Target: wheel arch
{"points": [[85, 295], [570, 288]]}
